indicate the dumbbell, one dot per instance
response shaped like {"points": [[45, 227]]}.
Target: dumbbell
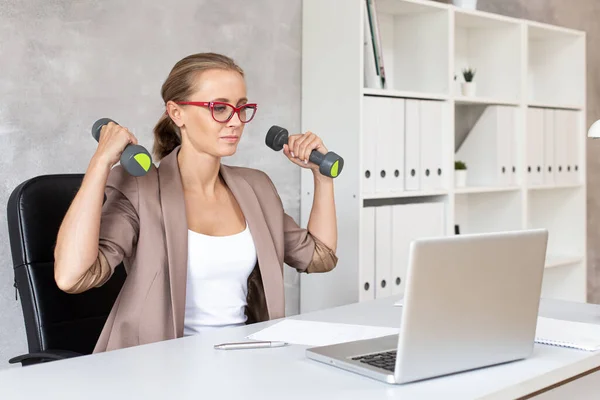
{"points": [[330, 164], [135, 158]]}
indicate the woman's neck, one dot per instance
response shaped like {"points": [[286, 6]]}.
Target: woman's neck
{"points": [[199, 172]]}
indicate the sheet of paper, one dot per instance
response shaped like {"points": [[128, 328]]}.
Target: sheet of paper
{"points": [[563, 333], [312, 333]]}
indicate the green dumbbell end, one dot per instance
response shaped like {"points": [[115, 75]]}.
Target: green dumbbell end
{"points": [[334, 169], [143, 160]]}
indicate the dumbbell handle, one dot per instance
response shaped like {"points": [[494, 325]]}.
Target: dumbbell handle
{"points": [[330, 164], [135, 159]]}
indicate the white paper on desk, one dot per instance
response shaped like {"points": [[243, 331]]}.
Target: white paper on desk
{"points": [[312, 333], [577, 335]]}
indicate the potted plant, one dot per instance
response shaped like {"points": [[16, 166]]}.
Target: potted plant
{"points": [[468, 4], [460, 174], [468, 86]]}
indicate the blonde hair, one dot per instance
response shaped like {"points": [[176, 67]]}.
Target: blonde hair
{"points": [[178, 86]]}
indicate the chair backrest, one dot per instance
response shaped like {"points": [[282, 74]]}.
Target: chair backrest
{"points": [[53, 318]]}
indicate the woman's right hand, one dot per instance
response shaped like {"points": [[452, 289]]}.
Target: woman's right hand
{"points": [[113, 140]]}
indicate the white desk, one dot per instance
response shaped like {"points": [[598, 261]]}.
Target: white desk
{"points": [[190, 368]]}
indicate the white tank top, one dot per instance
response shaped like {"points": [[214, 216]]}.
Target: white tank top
{"points": [[217, 274]]}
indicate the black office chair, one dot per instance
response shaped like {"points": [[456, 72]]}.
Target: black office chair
{"points": [[58, 325]]}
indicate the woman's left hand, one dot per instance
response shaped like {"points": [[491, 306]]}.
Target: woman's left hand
{"points": [[299, 147]]}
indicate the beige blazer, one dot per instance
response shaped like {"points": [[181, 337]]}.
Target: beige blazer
{"points": [[144, 225]]}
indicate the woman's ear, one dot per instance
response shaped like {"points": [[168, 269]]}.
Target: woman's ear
{"points": [[175, 112]]}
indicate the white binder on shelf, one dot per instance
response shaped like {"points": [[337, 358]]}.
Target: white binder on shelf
{"points": [[432, 135], [488, 150], [395, 151], [535, 147], [369, 141], [410, 222], [366, 267], [561, 143], [571, 145], [549, 144], [385, 116], [383, 251], [412, 146]]}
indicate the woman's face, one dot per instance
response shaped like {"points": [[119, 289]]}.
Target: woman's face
{"points": [[200, 129]]}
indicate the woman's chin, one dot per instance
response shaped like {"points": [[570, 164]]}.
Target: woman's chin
{"points": [[228, 150]]}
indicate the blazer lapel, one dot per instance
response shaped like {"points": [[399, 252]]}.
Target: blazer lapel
{"points": [[176, 235], [268, 262]]}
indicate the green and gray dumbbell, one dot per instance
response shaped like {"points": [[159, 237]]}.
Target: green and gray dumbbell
{"points": [[135, 158]]}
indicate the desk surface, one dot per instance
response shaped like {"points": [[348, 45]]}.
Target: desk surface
{"points": [[189, 368]]}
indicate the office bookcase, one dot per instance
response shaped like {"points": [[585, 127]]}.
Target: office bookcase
{"points": [[521, 135]]}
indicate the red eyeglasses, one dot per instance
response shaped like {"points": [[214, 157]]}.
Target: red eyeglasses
{"points": [[223, 112]]}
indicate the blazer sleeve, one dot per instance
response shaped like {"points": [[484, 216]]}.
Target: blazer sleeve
{"points": [[119, 229], [302, 250]]}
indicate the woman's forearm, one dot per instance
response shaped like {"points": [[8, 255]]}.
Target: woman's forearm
{"points": [[323, 221]]}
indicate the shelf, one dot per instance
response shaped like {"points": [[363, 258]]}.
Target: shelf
{"points": [[556, 70], [396, 7], [482, 20], [555, 187], [555, 106], [553, 261], [491, 45], [488, 212], [484, 100], [404, 94], [395, 195], [485, 189], [415, 45]]}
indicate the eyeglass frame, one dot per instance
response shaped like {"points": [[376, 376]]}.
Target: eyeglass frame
{"points": [[211, 104]]}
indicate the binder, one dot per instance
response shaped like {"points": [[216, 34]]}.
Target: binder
{"points": [[383, 145], [410, 222], [507, 118], [431, 128], [571, 146], [383, 251], [395, 145], [412, 146], [488, 149], [549, 158], [535, 147], [561, 132], [366, 269], [368, 141]]}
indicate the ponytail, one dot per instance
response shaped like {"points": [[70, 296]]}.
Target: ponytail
{"points": [[166, 137]]}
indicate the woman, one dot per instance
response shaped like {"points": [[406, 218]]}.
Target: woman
{"points": [[203, 243]]}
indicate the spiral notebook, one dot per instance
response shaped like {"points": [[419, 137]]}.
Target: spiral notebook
{"points": [[575, 335]]}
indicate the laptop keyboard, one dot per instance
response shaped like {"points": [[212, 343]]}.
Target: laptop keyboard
{"points": [[385, 360]]}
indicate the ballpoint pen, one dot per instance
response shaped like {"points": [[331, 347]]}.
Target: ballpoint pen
{"points": [[249, 345]]}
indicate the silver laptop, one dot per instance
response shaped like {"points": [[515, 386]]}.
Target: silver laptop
{"points": [[471, 301]]}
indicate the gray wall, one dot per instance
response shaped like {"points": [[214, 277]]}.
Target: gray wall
{"points": [[64, 64]]}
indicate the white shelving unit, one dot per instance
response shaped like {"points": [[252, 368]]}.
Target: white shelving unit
{"points": [[524, 124]]}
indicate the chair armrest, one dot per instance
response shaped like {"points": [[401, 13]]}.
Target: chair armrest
{"points": [[43, 356]]}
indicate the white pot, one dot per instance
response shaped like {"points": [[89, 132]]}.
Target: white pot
{"points": [[468, 4], [468, 88], [460, 177]]}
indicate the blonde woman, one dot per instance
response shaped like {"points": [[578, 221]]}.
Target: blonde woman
{"points": [[203, 243]]}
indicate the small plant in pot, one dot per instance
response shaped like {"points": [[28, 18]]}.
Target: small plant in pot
{"points": [[460, 173], [468, 86]]}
